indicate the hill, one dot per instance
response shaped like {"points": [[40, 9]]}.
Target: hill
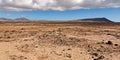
{"points": [[17, 19], [4, 19], [98, 20], [94, 20], [21, 19]]}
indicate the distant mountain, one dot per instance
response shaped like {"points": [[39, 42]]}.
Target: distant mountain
{"points": [[93, 20], [78, 20], [4, 19], [21, 19], [17, 19]]}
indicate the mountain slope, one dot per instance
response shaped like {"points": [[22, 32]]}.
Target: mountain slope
{"points": [[21, 19], [4, 19], [17, 19], [94, 20]]}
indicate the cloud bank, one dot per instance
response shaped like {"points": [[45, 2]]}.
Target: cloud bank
{"points": [[20, 5]]}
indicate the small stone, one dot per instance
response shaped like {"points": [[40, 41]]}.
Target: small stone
{"points": [[69, 49], [95, 54], [101, 57], [95, 59], [109, 43], [36, 46], [68, 55], [116, 44]]}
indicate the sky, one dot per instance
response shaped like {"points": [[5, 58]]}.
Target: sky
{"points": [[60, 9]]}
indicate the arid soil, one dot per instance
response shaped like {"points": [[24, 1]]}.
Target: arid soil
{"points": [[33, 41]]}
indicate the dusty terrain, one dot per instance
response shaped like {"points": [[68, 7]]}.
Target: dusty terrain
{"points": [[59, 41]]}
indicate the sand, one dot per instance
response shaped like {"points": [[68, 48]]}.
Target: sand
{"points": [[59, 42]]}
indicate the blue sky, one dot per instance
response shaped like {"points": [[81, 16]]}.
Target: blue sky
{"points": [[60, 9], [110, 13]]}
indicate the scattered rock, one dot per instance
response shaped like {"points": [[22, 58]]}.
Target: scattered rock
{"points": [[15, 57], [116, 44], [109, 43], [69, 49], [68, 55], [95, 54]]}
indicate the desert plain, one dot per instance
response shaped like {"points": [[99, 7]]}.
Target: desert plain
{"points": [[59, 41]]}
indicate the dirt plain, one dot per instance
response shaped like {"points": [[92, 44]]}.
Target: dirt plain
{"points": [[59, 41]]}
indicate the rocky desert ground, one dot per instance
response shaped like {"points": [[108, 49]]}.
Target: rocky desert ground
{"points": [[59, 41]]}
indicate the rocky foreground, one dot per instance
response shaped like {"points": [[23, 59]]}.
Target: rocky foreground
{"points": [[59, 42]]}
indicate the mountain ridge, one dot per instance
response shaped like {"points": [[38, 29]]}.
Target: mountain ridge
{"points": [[17, 19], [103, 20], [93, 20]]}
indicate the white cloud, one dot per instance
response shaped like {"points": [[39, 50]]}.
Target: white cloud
{"points": [[19, 5]]}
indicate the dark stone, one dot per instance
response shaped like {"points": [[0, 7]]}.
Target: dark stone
{"points": [[95, 54], [116, 44], [69, 49], [101, 57], [68, 55], [95, 59], [109, 43], [108, 34], [36, 46]]}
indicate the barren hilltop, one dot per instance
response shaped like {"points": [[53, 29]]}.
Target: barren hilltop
{"points": [[94, 20], [17, 19], [100, 20]]}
